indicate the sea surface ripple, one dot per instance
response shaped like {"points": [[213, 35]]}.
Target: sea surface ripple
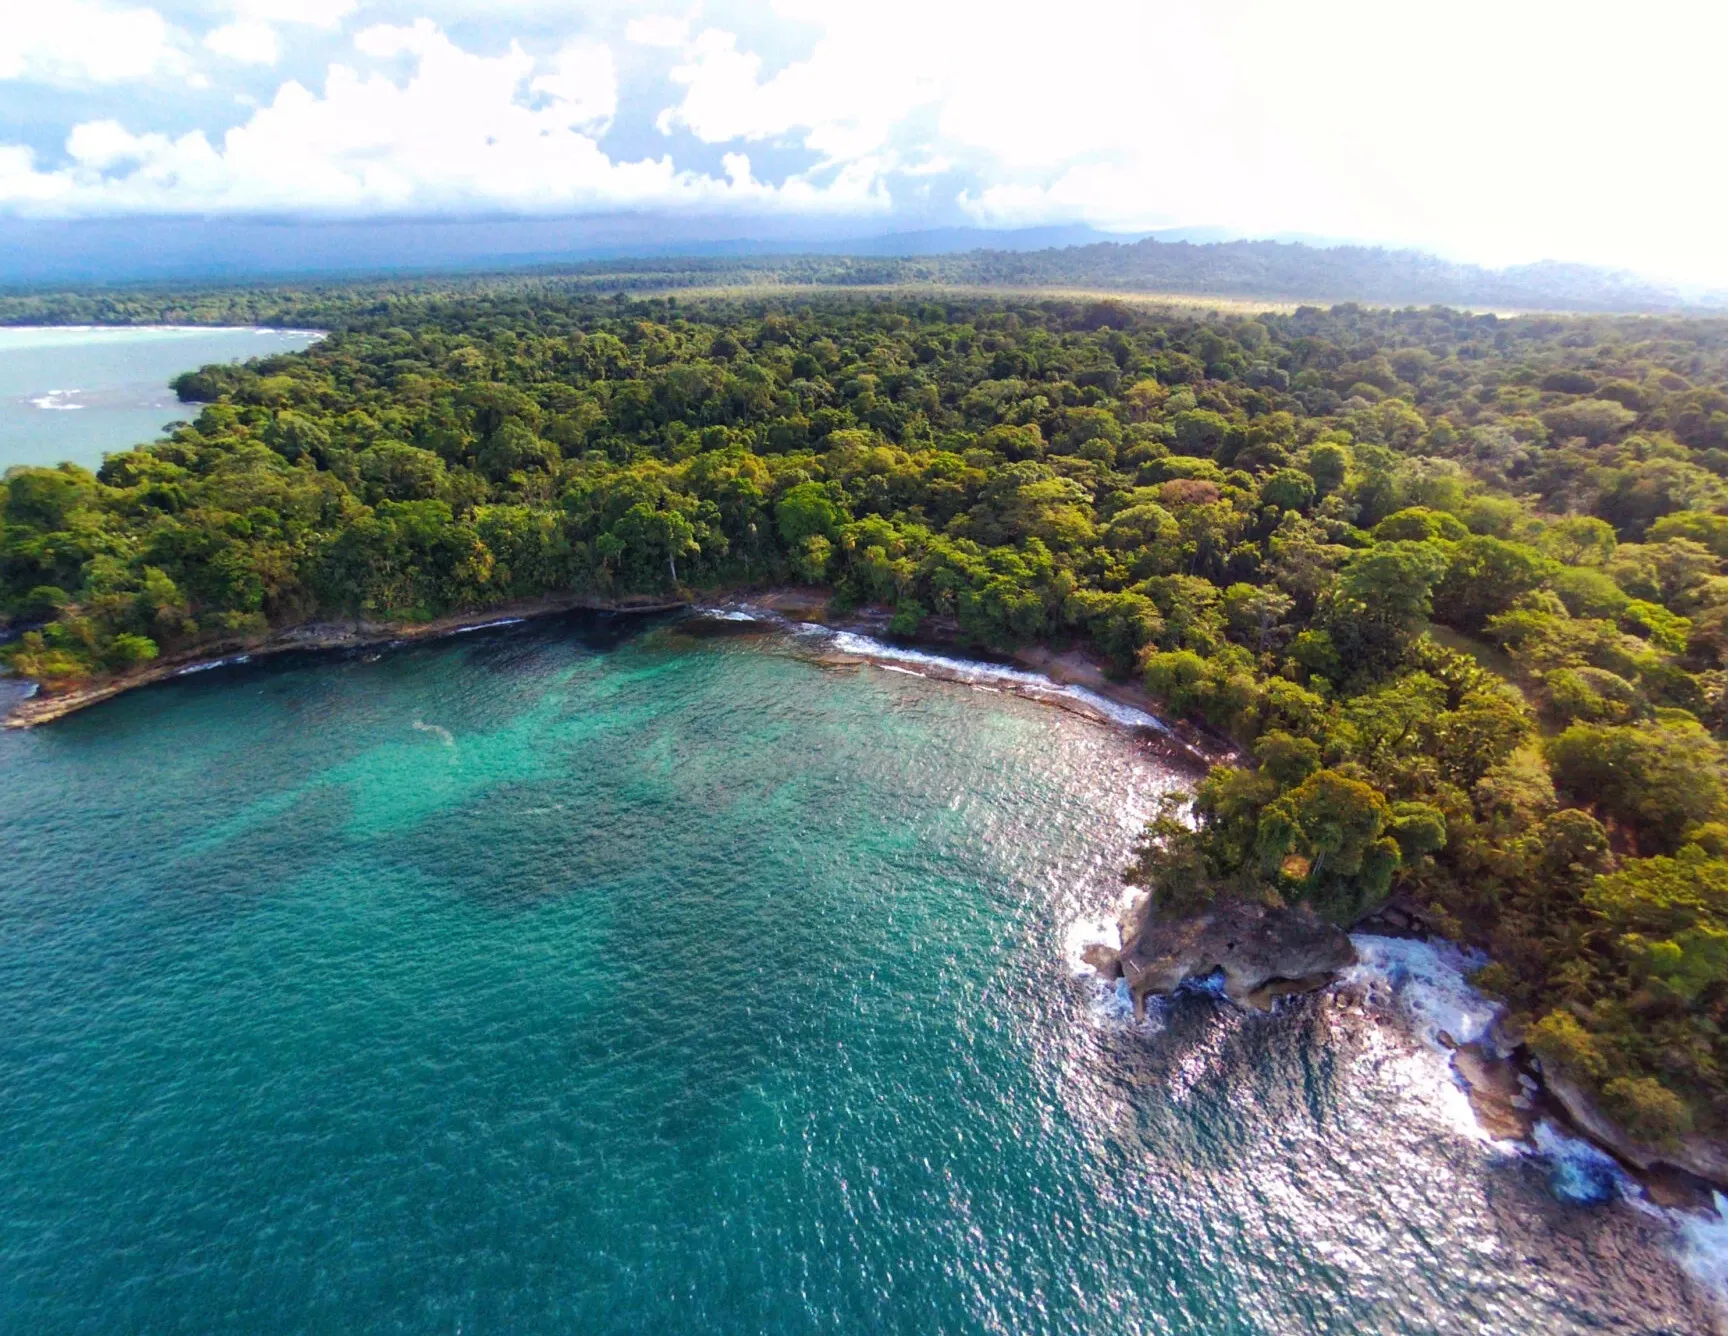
{"points": [[589, 976]]}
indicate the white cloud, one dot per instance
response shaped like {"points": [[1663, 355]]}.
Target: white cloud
{"points": [[845, 102], [584, 79], [314, 13], [79, 41], [1498, 132], [248, 42], [463, 132], [662, 30], [252, 39]]}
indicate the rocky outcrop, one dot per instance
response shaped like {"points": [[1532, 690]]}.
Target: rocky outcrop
{"points": [[1261, 951], [1498, 1095], [1698, 1156], [1398, 917]]}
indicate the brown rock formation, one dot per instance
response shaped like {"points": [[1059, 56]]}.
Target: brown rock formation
{"points": [[1262, 951]]}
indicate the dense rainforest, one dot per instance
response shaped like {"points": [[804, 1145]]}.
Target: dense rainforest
{"points": [[1453, 583]]}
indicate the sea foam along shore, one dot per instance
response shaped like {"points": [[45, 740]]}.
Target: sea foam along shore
{"points": [[854, 641], [1423, 986], [1426, 982], [850, 640], [975, 672]]}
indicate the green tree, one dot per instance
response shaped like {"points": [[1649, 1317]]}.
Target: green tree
{"points": [[1382, 601], [1659, 779], [1327, 837]]}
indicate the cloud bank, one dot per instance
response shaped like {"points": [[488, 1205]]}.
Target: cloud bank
{"points": [[1490, 132]]}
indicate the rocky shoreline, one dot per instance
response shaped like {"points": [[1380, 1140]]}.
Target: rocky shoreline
{"points": [[1179, 742], [1260, 953], [45, 707]]}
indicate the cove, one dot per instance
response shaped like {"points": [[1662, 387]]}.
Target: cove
{"points": [[593, 975], [77, 392]]}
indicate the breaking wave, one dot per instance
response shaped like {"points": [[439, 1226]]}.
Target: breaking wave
{"points": [[976, 672]]}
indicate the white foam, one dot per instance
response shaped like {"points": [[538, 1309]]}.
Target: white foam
{"points": [[437, 730], [213, 663], [1704, 1247], [1085, 932], [482, 626], [729, 615], [1426, 981], [1109, 1003], [976, 672], [1578, 1170], [57, 401]]}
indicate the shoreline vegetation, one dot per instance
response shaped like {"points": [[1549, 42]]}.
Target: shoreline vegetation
{"points": [[1178, 741], [47, 706], [1451, 585]]}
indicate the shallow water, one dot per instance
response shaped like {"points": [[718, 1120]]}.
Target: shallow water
{"points": [[593, 977], [77, 392]]}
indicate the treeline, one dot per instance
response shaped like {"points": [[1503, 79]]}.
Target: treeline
{"points": [[1454, 582], [1253, 269], [1336, 273]]}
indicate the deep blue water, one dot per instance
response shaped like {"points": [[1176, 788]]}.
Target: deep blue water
{"points": [[596, 977]]}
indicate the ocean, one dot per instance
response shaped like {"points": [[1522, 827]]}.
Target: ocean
{"points": [[602, 975], [78, 392]]}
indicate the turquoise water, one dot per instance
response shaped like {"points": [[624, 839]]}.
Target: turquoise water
{"points": [[592, 976], [78, 392]]}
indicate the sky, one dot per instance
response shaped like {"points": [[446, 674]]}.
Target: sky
{"points": [[1495, 131]]}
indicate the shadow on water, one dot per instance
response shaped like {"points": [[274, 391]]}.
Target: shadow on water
{"points": [[307, 833]]}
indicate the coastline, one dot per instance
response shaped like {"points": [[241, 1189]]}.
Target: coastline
{"points": [[1065, 679], [44, 707], [1486, 1067], [1512, 1101]]}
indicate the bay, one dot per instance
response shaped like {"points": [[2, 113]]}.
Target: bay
{"points": [[599, 976], [78, 392]]}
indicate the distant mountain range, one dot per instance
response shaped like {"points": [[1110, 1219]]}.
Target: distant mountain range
{"points": [[110, 250], [639, 253]]}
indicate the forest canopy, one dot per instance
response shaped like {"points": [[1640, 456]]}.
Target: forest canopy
{"points": [[1453, 583]]}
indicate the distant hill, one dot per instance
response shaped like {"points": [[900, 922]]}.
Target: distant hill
{"points": [[645, 253], [1336, 273], [1267, 269], [38, 252]]}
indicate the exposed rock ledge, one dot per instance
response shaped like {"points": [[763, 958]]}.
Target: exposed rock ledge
{"points": [[1698, 1156], [1261, 951], [47, 706]]}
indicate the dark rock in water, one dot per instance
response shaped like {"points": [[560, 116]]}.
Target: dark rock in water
{"points": [[707, 626], [1254, 946], [1397, 918], [1677, 1190], [1263, 997]]}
